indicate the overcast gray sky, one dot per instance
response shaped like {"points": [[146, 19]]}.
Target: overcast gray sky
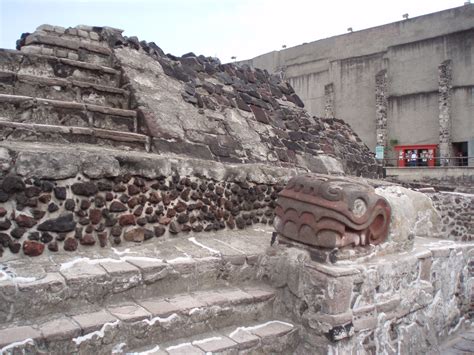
{"points": [[222, 28]]}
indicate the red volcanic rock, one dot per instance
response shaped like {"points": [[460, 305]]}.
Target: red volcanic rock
{"points": [[84, 188], [133, 190], [127, 220], [32, 248], [70, 244], [95, 215], [25, 221], [87, 239]]}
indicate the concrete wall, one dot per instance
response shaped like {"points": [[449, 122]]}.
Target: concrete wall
{"points": [[411, 52]]}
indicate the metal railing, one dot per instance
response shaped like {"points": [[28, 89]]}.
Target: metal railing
{"points": [[457, 162]]}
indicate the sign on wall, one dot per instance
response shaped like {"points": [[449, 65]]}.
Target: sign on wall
{"points": [[379, 152]]}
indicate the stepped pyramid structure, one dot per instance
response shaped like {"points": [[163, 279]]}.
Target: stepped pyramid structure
{"points": [[91, 85], [137, 197]]}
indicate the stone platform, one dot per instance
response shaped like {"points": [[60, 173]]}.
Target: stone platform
{"points": [[231, 292], [118, 299]]}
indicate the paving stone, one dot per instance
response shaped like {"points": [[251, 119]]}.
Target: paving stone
{"points": [[151, 270], [244, 339], [60, 329], [261, 293], [83, 271], [236, 296], [186, 302], [159, 307], [119, 268], [11, 335], [129, 312], [51, 281], [215, 344], [90, 322], [211, 297], [183, 266], [273, 329], [184, 349]]}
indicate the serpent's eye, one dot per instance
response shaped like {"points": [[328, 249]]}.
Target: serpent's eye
{"points": [[359, 208]]}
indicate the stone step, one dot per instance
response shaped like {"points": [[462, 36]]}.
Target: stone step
{"points": [[63, 89], [257, 338], [27, 109], [16, 131], [97, 282], [54, 67], [61, 281], [143, 322], [47, 44]]}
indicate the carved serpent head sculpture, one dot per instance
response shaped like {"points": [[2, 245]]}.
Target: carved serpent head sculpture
{"points": [[331, 212]]}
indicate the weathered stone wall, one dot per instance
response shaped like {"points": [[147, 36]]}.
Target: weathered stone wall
{"points": [[189, 106], [401, 304], [77, 105], [81, 43], [193, 105], [457, 214], [63, 200]]}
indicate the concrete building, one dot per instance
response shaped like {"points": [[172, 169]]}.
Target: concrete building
{"points": [[403, 84]]}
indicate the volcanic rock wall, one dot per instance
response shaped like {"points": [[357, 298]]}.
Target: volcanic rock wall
{"points": [[457, 214], [105, 138], [195, 106], [133, 197]]}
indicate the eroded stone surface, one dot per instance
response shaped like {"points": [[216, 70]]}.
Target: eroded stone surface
{"points": [[205, 274]]}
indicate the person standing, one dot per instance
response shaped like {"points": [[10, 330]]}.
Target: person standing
{"points": [[413, 158]]}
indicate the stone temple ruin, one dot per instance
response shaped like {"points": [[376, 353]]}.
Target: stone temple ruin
{"points": [[155, 204]]}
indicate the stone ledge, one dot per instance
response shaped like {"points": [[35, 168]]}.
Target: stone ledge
{"points": [[148, 165], [67, 82], [68, 104], [95, 132], [71, 62], [66, 43], [17, 334]]}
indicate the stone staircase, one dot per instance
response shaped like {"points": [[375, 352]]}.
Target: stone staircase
{"points": [[62, 87], [183, 297]]}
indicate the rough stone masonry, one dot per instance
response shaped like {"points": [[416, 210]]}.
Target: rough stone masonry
{"points": [[85, 87], [137, 197]]}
